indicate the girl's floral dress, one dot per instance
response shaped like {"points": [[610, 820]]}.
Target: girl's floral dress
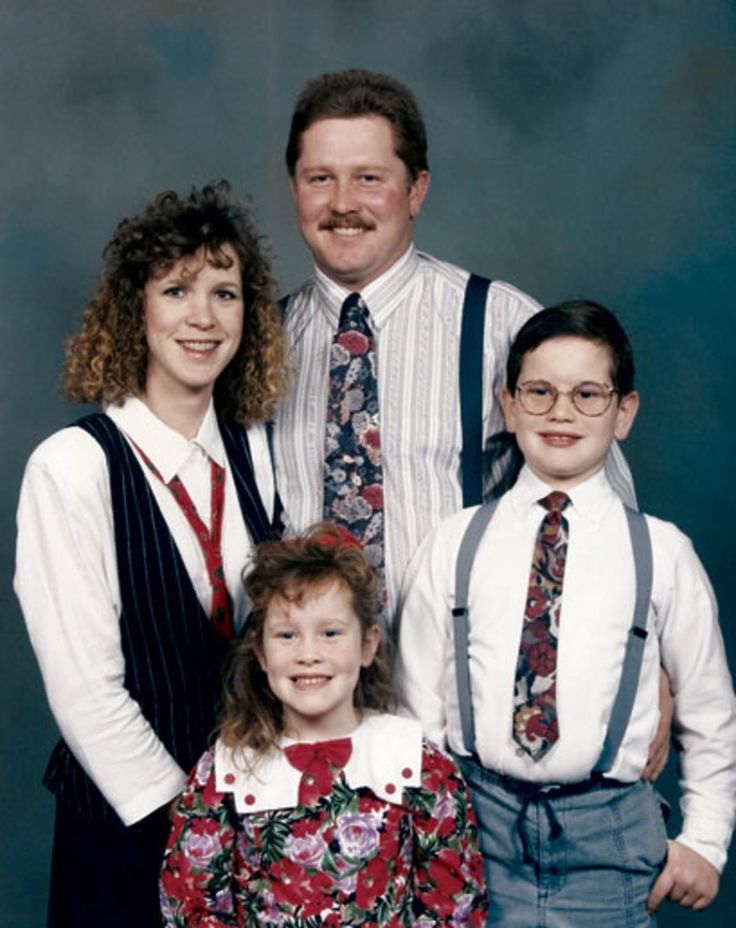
{"points": [[376, 829]]}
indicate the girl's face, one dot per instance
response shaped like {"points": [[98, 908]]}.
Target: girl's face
{"points": [[194, 323], [312, 653]]}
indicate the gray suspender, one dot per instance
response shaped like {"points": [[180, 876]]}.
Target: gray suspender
{"points": [[621, 712]]}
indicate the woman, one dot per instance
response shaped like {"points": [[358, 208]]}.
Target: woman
{"points": [[134, 525]]}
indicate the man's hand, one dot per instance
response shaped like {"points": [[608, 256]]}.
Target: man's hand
{"points": [[687, 879], [659, 749]]}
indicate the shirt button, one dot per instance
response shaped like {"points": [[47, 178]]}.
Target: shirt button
{"points": [[390, 788], [520, 752]]}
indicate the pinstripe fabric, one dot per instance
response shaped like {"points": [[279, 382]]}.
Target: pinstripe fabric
{"points": [[416, 313], [172, 654]]}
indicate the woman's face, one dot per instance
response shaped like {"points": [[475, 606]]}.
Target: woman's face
{"points": [[194, 323]]}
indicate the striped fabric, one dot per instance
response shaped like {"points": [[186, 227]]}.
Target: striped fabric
{"points": [[173, 655], [416, 315]]}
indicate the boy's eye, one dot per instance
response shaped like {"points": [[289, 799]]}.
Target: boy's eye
{"points": [[539, 389], [332, 633], [587, 391]]}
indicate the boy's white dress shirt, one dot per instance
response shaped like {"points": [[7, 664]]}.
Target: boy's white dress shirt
{"points": [[597, 609], [67, 583]]}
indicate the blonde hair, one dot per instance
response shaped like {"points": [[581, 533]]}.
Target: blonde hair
{"points": [[107, 359], [294, 569]]}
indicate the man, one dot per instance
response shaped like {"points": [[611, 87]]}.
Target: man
{"points": [[357, 159]]}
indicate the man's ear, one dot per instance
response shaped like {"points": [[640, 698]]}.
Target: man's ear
{"points": [[509, 409], [417, 193], [625, 415]]}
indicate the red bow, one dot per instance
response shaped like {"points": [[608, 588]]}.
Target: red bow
{"points": [[319, 762]]}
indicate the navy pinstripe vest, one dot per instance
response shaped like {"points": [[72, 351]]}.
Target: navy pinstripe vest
{"points": [[173, 655]]}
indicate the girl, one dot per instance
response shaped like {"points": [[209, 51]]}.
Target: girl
{"points": [[132, 529], [316, 807]]}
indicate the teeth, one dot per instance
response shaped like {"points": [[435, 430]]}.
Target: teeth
{"points": [[339, 230], [309, 681], [199, 346]]}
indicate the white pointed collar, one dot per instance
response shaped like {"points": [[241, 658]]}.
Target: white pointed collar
{"points": [[386, 758], [165, 447]]}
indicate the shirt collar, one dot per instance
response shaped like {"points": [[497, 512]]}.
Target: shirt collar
{"points": [[386, 758], [381, 295], [167, 449], [589, 500]]}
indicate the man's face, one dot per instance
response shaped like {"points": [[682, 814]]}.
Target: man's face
{"points": [[354, 198]]}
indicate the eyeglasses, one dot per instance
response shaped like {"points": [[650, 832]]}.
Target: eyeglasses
{"points": [[589, 398]]}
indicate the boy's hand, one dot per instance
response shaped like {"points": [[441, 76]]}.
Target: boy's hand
{"points": [[659, 749], [687, 879]]}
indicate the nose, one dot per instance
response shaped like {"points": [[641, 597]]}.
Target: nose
{"points": [[563, 407], [200, 311], [343, 196], [309, 651]]}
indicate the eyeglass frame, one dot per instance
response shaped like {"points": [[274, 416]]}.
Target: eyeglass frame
{"points": [[556, 393]]}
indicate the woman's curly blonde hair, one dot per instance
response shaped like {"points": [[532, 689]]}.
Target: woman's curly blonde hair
{"points": [[107, 359], [297, 569]]}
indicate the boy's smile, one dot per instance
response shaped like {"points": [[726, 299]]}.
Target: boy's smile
{"points": [[563, 446]]}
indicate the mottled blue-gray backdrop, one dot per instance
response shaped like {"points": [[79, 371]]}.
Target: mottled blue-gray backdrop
{"points": [[583, 147]]}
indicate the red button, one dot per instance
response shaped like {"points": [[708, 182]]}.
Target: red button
{"points": [[406, 773], [250, 799], [229, 778], [390, 788]]}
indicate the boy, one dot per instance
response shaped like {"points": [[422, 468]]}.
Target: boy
{"points": [[570, 833]]}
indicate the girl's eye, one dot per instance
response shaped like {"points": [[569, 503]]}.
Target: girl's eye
{"points": [[286, 635], [331, 633], [174, 290]]}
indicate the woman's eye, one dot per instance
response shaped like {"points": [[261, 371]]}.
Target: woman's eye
{"points": [[227, 295], [174, 290]]}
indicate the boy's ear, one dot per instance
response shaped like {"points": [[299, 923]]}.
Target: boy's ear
{"points": [[509, 411], [371, 640], [625, 415]]}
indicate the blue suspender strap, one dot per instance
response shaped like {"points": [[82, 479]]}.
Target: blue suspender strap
{"points": [[471, 388], [642, 548], [463, 566]]}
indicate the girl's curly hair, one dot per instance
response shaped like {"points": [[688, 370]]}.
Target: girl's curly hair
{"points": [[107, 359], [296, 569]]}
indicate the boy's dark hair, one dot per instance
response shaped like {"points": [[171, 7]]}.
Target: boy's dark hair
{"points": [[581, 319], [347, 94], [295, 569]]}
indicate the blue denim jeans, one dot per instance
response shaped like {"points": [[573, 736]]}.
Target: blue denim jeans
{"points": [[579, 860]]}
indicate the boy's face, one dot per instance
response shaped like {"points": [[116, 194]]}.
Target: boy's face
{"points": [[564, 447]]}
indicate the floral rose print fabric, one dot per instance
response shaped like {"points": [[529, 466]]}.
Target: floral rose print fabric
{"points": [[350, 858]]}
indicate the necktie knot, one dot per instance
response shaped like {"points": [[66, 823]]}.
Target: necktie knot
{"points": [[352, 307], [555, 501]]}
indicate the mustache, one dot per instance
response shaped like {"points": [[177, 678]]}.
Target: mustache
{"points": [[346, 222]]}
